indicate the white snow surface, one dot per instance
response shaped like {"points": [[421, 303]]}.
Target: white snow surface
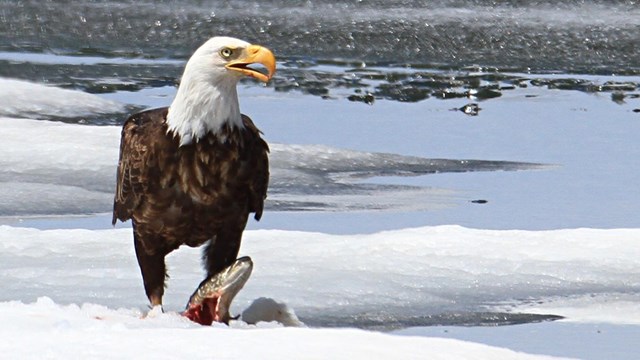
{"points": [[79, 291], [55, 168], [95, 332], [395, 274], [24, 98]]}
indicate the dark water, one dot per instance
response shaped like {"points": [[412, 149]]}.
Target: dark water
{"points": [[428, 39], [569, 36], [387, 322]]}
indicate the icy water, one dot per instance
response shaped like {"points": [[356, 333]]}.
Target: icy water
{"points": [[571, 36]]}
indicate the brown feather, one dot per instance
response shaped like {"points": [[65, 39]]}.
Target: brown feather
{"points": [[188, 195]]}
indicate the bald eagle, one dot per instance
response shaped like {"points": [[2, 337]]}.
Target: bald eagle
{"points": [[191, 173]]}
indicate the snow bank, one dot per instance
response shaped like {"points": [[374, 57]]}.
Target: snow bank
{"points": [[591, 308], [394, 277], [46, 330], [32, 100], [54, 168]]}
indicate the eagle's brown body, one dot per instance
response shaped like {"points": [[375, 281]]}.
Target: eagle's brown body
{"points": [[191, 194]]}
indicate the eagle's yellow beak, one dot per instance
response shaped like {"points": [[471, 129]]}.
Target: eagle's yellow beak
{"points": [[255, 54]]}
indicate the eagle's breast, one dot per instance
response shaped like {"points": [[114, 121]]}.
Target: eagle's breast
{"points": [[211, 171]]}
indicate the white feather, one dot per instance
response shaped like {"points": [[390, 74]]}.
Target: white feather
{"points": [[207, 97]]}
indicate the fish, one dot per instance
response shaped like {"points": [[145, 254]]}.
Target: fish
{"points": [[212, 299]]}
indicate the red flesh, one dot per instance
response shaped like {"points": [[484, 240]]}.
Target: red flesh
{"points": [[205, 313]]}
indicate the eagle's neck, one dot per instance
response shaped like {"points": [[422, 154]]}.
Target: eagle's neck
{"points": [[202, 106]]}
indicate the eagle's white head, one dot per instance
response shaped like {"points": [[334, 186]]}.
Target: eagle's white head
{"points": [[207, 97]]}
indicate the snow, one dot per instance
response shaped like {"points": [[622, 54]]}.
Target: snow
{"points": [[592, 308], [80, 292], [18, 97], [400, 275], [74, 172], [270, 310], [72, 286], [95, 332]]}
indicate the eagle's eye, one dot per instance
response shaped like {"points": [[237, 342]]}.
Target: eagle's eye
{"points": [[226, 53]]}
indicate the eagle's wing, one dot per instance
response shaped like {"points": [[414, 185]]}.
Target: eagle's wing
{"points": [[135, 162], [260, 180]]}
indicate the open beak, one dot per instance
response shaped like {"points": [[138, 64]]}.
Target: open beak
{"points": [[255, 54]]}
